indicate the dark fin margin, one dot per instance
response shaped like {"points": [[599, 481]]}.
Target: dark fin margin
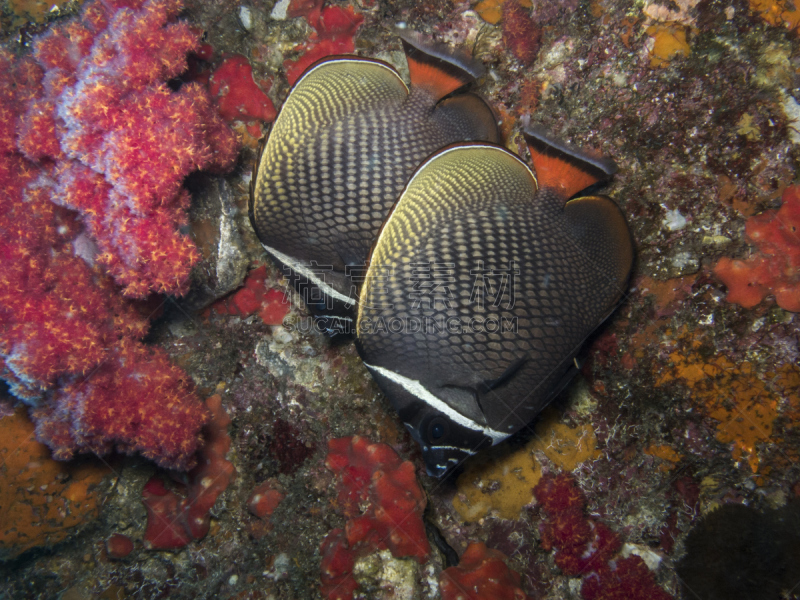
{"points": [[471, 108], [564, 168], [602, 214], [438, 67]]}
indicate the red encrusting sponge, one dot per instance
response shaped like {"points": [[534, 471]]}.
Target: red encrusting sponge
{"points": [[264, 499], [118, 546], [335, 34], [175, 518], [481, 574], [237, 95], [775, 267], [379, 493], [272, 304]]}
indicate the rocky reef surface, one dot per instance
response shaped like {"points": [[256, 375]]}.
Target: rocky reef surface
{"points": [[307, 485]]}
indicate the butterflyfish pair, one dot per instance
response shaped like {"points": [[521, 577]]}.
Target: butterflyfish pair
{"points": [[473, 280]]}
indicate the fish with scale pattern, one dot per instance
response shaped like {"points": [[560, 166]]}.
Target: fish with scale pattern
{"points": [[482, 287], [346, 141]]}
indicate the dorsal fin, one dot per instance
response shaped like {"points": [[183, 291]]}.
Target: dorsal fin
{"points": [[436, 67], [563, 168]]}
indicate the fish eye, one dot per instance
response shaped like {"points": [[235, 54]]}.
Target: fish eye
{"points": [[437, 429]]}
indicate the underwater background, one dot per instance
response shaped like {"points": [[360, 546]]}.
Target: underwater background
{"points": [[172, 425]]}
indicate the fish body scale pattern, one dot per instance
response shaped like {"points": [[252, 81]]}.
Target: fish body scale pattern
{"points": [[472, 213], [342, 149]]}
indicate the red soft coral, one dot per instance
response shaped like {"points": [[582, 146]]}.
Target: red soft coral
{"points": [[94, 148], [557, 493], [105, 105], [113, 408]]}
